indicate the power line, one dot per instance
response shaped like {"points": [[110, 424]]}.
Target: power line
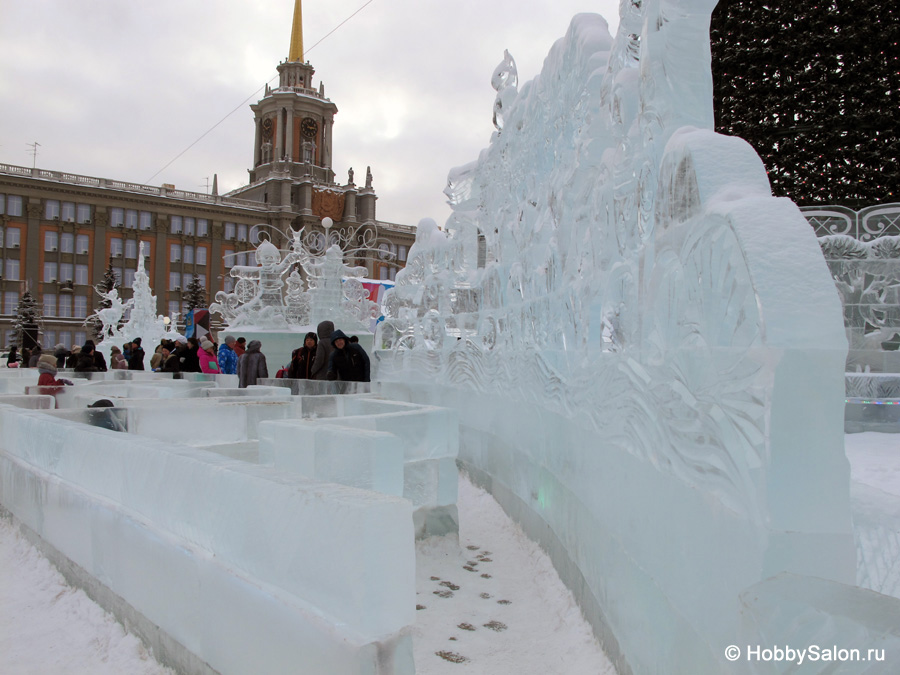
{"points": [[244, 102]]}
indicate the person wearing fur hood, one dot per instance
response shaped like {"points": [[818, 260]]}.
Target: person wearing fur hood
{"points": [[46, 366], [252, 365]]}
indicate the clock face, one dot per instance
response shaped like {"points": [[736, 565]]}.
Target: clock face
{"points": [[309, 127]]}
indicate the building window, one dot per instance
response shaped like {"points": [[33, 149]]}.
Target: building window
{"points": [[242, 233], [80, 337], [174, 307], [65, 306], [82, 243], [174, 253], [115, 247], [228, 257], [229, 231], [131, 248], [383, 272], [84, 213], [186, 280], [402, 254], [176, 224], [49, 272], [131, 219], [201, 255], [80, 307], [66, 271], [65, 337], [241, 258], [51, 209], [189, 226], [10, 302], [12, 237], [188, 255], [49, 304], [202, 227], [202, 279], [81, 275], [228, 286], [116, 217], [2, 204], [68, 212], [146, 220], [51, 241], [13, 205], [49, 339], [117, 271], [174, 281], [129, 278], [12, 270], [67, 242]]}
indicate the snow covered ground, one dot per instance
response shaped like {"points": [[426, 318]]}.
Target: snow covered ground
{"points": [[491, 605]]}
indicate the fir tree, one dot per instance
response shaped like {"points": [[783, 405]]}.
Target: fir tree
{"points": [[109, 282], [815, 89], [28, 322], [195, 294]]}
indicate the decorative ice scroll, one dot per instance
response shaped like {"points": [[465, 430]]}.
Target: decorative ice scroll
{"points": [[333, 289]]}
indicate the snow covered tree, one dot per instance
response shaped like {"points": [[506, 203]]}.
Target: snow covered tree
{"points": [[815, 89], [195, 294], [109, 282], [28, 322]]}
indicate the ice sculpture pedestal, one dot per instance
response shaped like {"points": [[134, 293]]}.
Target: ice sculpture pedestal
{"points": [[277, 345]]}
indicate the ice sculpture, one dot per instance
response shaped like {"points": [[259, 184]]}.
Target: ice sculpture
{"points": [[334, 291], [143, 321], [645, 346]]}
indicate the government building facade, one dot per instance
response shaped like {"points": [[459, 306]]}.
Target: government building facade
{"points": [[59, 232]]}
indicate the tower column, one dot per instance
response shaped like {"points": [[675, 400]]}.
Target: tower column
{"points": [[289, 136]]}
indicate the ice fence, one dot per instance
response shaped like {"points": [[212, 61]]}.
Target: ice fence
{"points": [[645, 348]]}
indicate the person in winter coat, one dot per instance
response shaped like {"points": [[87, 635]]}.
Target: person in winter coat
{"points": [[323, 351], [46, 366], [61, 353], [191, 361], [301, 364], [207, 356], [12, 359], [171, 359], [72, 358], [349, 363], [35, 355], [136, 360], [116, 360], [252, 365], [99, 359], [228, 359], [240, 347], [86, 363]]}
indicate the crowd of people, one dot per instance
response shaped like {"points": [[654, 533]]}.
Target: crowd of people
{"points": [[326, 354]]}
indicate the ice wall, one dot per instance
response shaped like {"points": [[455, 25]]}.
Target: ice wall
{"points": [[246, 568], [645, 347]]}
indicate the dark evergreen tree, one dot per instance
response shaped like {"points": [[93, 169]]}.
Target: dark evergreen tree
{"points": [[28, 322], [815, 89], [195, 294], [109, 282]]}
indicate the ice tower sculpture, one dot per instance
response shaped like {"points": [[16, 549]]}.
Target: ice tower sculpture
{"points": [[142, 322], [334, 290], [645, 347]]}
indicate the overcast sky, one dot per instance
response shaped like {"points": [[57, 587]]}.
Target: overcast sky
{"points": [[117, 89]]}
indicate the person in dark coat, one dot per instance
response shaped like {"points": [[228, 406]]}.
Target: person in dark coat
{"points": [[191, 362], [12, 359], [136, 360], [99, 359], [72, 359], [301, 364], [323, 351], [252, 365], [349, 362], [36, 354], [61, 354], [171, 359], [85, 362]]}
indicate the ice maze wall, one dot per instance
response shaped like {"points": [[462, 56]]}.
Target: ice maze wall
{"points": [[219, 565], [645, 348]]}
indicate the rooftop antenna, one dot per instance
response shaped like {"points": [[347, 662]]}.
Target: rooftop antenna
{"points": [[206, 185], [34, 150]]}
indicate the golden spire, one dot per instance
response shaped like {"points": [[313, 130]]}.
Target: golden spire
{"points": [[296, 52]]}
